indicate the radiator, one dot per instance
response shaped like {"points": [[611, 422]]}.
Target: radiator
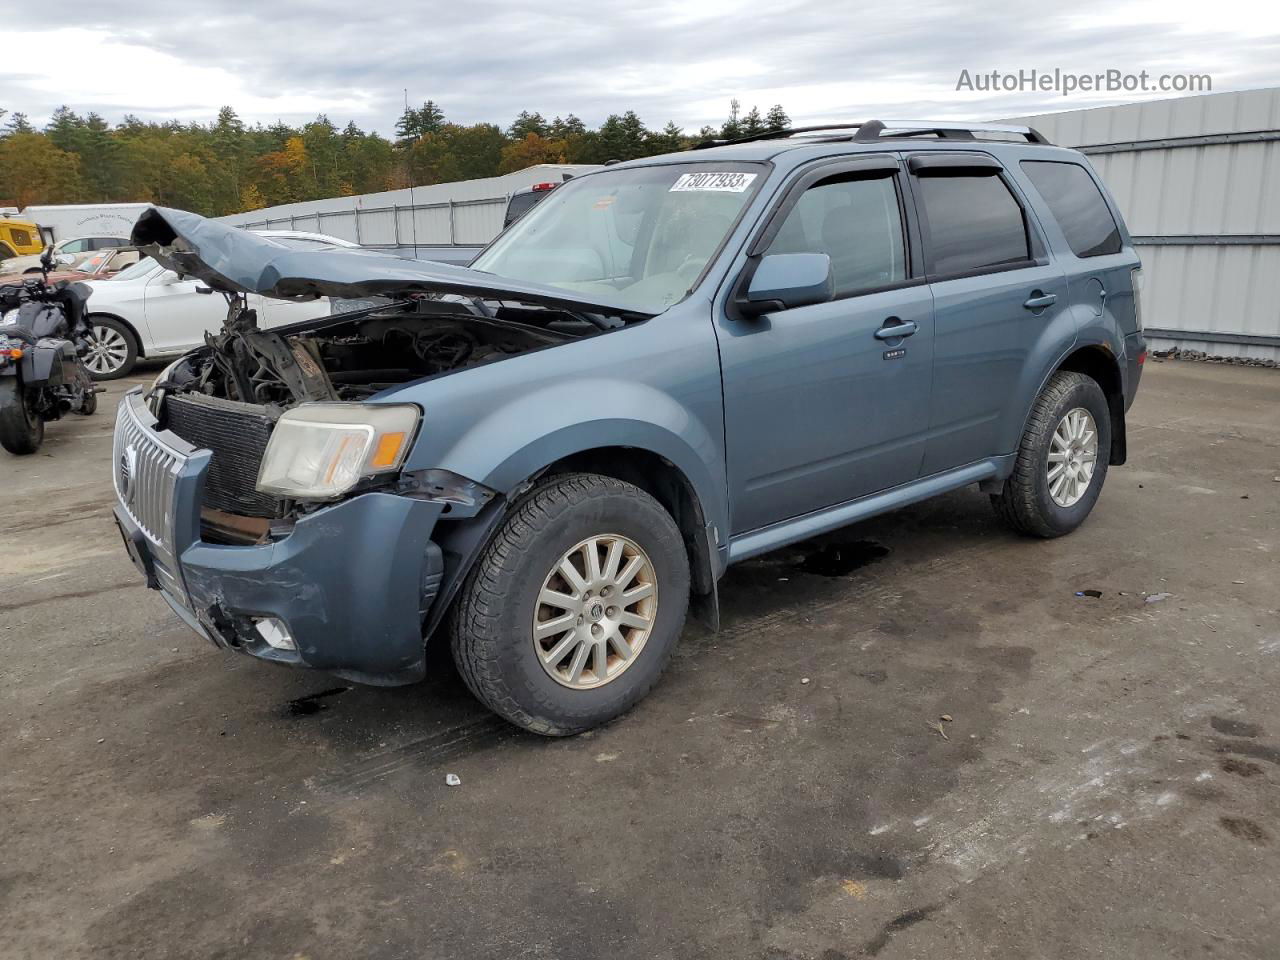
{"points": [[236, 434]]}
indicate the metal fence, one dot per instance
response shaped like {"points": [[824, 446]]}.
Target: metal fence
{"points": [[401, 227]]}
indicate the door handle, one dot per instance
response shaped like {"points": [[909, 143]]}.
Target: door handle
{"points": [[894, 328], [1040, 300]]}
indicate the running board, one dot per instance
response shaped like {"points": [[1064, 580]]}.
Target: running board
{"points": [[809, 525]]}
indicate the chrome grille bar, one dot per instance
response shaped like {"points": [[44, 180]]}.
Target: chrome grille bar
{"points": [[147, 465]]}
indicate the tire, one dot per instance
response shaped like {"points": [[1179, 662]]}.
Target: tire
{"points": [[89, 406], [493, 622], [1031, 502], [21, 429], [113, 349]]}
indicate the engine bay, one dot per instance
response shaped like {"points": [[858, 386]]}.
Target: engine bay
{"points": [[356, 355]]}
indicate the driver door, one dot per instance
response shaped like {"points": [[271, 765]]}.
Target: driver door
{"points": [[823, 403]]}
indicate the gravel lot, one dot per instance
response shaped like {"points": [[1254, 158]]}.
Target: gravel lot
{"points": [[1107, 785]]}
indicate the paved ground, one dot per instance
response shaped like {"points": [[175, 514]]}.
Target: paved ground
{"points": [[1109, 785]]}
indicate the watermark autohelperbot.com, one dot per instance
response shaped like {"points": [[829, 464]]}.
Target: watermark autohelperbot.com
{"points": [[1065, 82]]}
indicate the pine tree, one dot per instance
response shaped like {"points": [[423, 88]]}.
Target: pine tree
{"points": [[527, 123], [776, 119], [18, 123]]}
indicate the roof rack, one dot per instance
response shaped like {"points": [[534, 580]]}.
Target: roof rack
{"points": [[869, 131]]}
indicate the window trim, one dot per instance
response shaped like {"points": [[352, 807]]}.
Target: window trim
{"points": [[1035, 246], [869, 166], [1057, 222]]}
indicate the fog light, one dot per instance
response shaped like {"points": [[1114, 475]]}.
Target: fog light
{"points": [[276, 633]]}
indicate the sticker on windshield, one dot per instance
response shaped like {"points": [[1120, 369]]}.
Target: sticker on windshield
{"points": [[716, 182]]}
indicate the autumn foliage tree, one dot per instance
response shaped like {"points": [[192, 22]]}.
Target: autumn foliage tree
{"points": [[227, 166]]}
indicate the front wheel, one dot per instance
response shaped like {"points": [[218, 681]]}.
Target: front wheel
{"points": [[21, 428], [573, 610], [1062, 459], [113, 349]]}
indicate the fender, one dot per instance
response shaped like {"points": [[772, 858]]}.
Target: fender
{"points": [[1037, 376], [503, 450], [501, 453]]}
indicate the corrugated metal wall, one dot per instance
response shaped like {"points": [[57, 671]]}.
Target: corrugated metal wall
{"points": [[1198, 182]]}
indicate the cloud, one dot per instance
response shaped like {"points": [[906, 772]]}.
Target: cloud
{"points": [[292, 59]]}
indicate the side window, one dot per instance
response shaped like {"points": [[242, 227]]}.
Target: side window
{"points": [[74, 246], [971, 223], [105, 243], [1077, 205], [855, 222]]}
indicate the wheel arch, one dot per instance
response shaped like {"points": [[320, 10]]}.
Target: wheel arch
{"points": [[1100, 364], [463, 540], [137, 338]]}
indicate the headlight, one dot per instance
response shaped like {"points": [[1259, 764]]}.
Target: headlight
{"points": [[319, 451]]}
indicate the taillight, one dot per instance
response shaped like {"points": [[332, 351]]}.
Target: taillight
{"points": [[1136, 278], [11, 354]]}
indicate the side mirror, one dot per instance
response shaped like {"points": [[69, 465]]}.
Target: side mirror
{"points": [[65, 258], [46, 257], [785, 280]]}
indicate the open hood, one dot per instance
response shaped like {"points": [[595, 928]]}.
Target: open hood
{"points": [[233, 260]]}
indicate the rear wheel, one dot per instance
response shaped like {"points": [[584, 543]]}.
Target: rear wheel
{"points": [[113, 349], [21, 429], [1062, 459], [572, 612]]}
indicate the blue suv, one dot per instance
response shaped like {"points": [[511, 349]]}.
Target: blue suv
{"points": [[667, 366]]}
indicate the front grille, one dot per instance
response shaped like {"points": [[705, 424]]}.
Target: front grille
{"points": [[236, 434], [145, 472], [143, 475]]}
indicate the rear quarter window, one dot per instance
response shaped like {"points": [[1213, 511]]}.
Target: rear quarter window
{"points": [[1077, 204]]}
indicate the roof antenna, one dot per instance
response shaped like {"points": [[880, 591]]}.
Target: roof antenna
{"points": [[413, 207]]}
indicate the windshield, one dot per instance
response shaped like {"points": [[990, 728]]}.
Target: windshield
{"points": [[139, 269], [640, 236]]}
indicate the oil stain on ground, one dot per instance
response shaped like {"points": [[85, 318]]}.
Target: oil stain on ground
{"points": [[841, 559], [311, 703]]}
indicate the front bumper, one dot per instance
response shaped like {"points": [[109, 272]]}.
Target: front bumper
{"points": [[352, 581]]}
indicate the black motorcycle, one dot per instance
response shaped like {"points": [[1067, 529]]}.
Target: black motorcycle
{"points": [[43, 335]]}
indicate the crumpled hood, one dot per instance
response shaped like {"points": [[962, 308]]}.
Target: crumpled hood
{"points": [[234, 260]]}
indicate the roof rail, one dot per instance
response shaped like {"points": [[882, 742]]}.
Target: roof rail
{"points": [[873, 130]]}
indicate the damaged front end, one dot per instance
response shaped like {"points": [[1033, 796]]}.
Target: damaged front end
{"points": [[260, 483], [314, 386], [245, 384]]}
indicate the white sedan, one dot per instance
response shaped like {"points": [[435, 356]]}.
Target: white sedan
{"points": [[149, 311]]}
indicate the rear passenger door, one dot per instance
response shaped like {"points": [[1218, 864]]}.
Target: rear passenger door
{"points": [[996, 292], [830, 402], [1100, 278]]}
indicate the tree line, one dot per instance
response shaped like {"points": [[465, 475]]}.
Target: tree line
{"points": [[228, 166]]}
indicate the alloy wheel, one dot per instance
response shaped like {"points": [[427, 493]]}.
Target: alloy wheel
{"points": [[595, 611], [1073, 454], [107, 352]]}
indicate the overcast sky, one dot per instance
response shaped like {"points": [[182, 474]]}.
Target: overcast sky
{"points": [[681, 61]]}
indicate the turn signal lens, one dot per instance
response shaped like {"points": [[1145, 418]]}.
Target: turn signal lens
{"points": [[387, 452]]}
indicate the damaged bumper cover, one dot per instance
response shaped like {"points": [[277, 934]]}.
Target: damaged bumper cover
{"points": [[351, 582]]}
